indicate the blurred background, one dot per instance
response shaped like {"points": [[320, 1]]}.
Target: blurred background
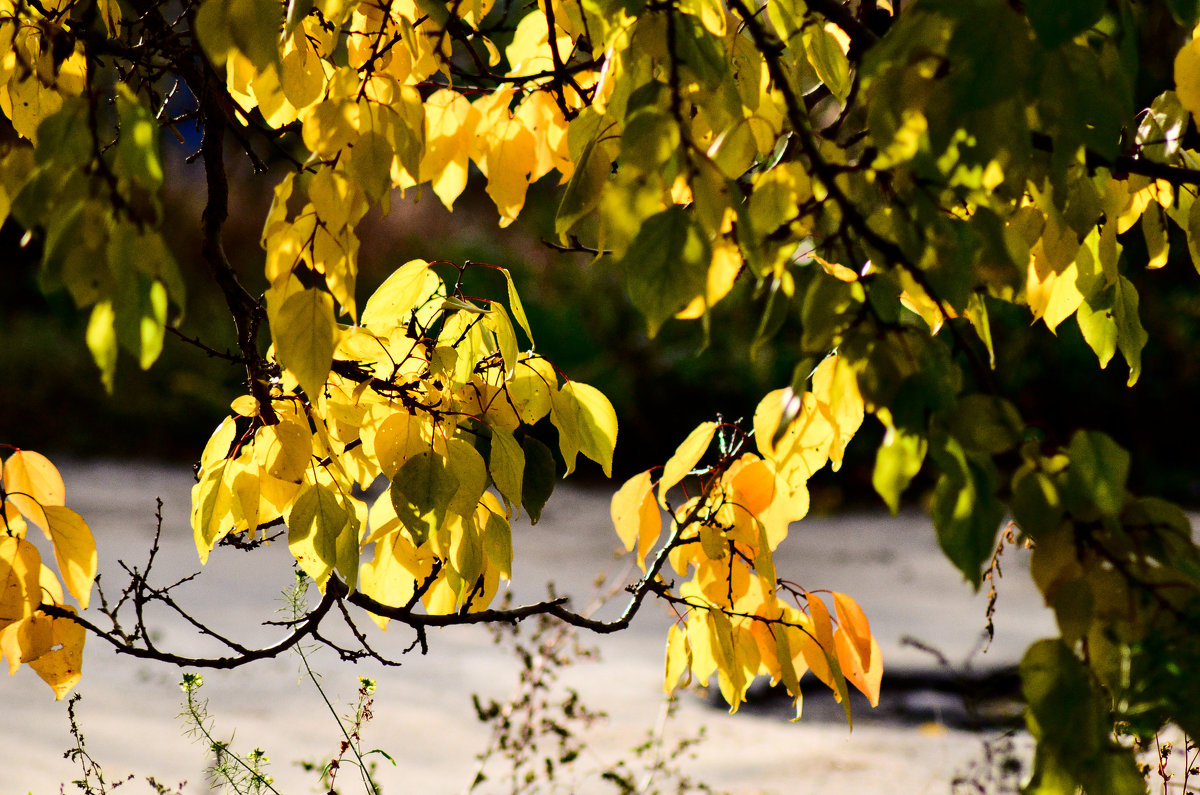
{"points": [[51, 398]]}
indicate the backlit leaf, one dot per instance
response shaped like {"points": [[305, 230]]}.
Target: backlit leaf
{"points": [[635, 515], [685, 458], [507, 465], [31, 482], [304, 337], [421, 493], [74, 549], [316, 520], [666, 266]]}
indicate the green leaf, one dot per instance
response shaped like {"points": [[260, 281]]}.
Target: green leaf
{"points": [[897, 462], [516, 307], [421, 494], [1097, 476], [316, 520], [1186, 12], [1071, 722], [1035, 503], [650, 139], [827, 58], [63, 138], [137, 147], [347, 551], [1098, 327], [538, 478], [1058, 21], [966, 512], [1131, 336], [582, 194], [251, 26], [507, 465], [102, 341], [497, 543], [986, 424], [141, 317], [666, 266]]}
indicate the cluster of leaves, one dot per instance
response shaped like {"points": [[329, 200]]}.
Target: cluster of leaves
{"points": [[32, 491], [885, 175], [429, 391], [734, 619]]}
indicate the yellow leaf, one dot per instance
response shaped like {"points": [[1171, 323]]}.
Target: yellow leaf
{"points": [[25, 640], [301, 74], [804, 445], [635, 516], [390, 306], [530, 389], [497, 539], [597, 423], [497, 320], [11, 521], [836, 385], [400, 436], [285, 449], [51, 590], [514, 304], [20, 568], [724, 270], [506, 151], [686, 456], [212, 506], [245, 406], [679, 662], [834, 678], [74, 550], [329, 126], [450, 121], [62, 666], [31, 483], [1187, 77], [216, 449], [304, 334]]}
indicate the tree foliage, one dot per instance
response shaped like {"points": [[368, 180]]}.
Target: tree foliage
{"points": [[886, 176]]}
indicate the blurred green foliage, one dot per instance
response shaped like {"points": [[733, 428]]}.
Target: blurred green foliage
{"points": [[51, 397]]}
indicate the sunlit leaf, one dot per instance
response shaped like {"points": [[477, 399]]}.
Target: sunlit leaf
{"points": [[685, 458]]}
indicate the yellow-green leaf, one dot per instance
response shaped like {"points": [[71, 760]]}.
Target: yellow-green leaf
{"points": [[316, 520], [686, 456], [305, 339], [597, 423], [506, 462], [421, 494], [391, 304]]}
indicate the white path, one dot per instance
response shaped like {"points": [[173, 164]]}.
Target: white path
{"points": [[424, 717]]}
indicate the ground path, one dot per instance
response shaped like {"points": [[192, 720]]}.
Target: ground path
{"points": [[423, 716]]}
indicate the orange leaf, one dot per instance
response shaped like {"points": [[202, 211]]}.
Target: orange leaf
{"points": [[866, 678], [854, 622]]}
